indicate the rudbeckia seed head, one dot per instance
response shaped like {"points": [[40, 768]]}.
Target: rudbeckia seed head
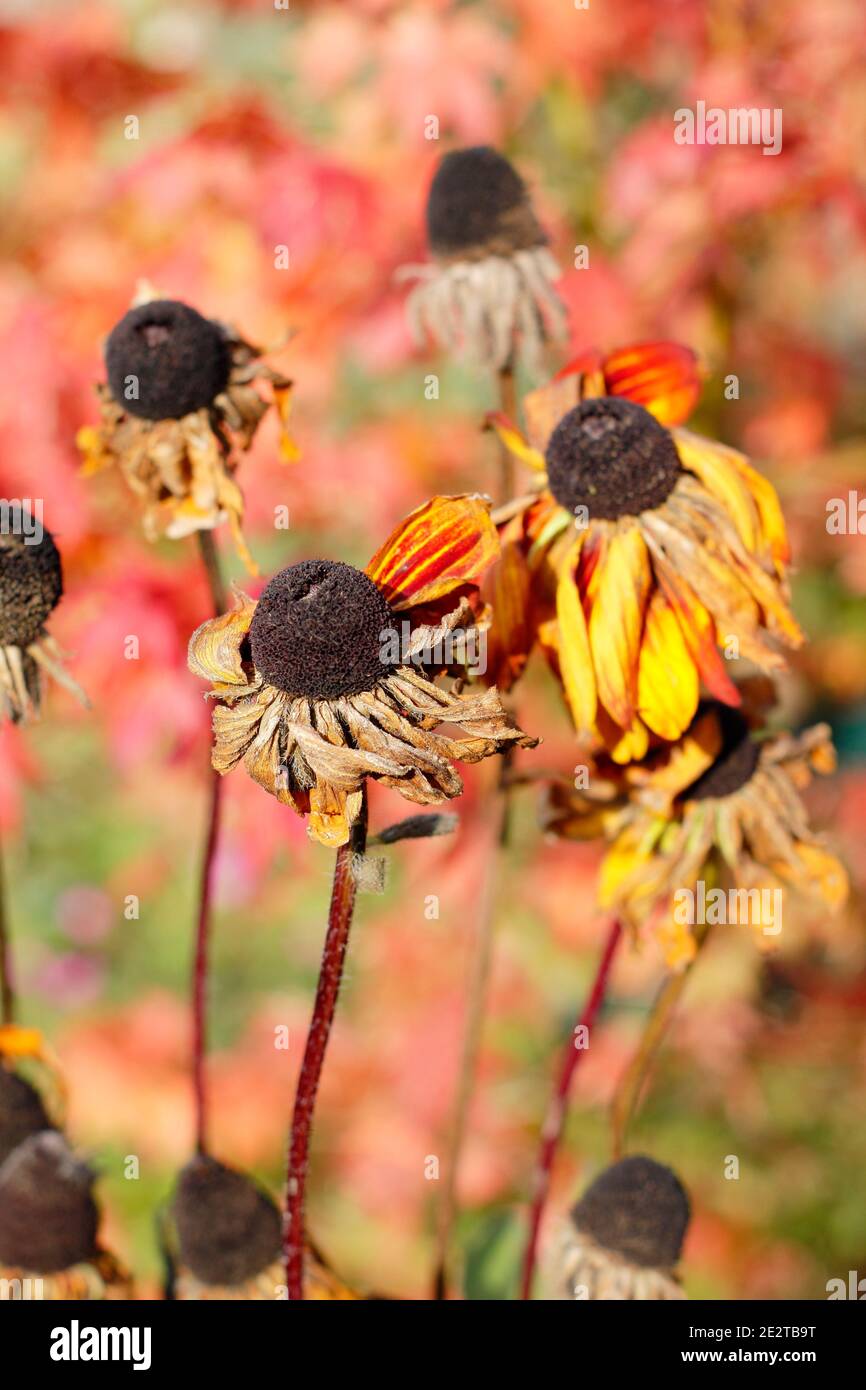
{"points": [[164, 360], [736, 761], [318, 631], [638, 1209], [478, 202], [31, 580], [229, 1230], [48, 1218], [21, 1112], [612, 457]]}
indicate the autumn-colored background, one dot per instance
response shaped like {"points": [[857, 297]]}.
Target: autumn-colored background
{"points": [[260, 127]]}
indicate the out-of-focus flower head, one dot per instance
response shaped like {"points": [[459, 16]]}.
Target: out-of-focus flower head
{"points": [[229, 1237], [179, 403], [624, 1238], [31, 585], [48, 1225], [718, 806], [640, 549], [324, 681], [488, 290]]}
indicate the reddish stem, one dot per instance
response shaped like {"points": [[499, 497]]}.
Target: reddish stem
{"points": [[327, 993], [554, 1120], [210, 561], [200, 966]]}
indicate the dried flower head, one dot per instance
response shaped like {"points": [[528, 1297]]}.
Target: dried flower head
{"points": [[639, 551], [716, 806], [179, 405], [625, 1235], [229, 1237], [31, 585], [326, 681], [22, 1111], [489, 289], [48, 1224]]}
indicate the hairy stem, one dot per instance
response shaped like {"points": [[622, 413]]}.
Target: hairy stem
{"points": [[628, 1091], [554, 1120], [324, 1008], [7, 990], [211, 564]]}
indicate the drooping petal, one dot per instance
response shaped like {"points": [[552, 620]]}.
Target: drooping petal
{"points": [[444, 544], [289, 451], [510, 636], [575, 657], [714, 465], [616, 622], [215, 646], [663, 377], [667, 685], [515, 441], [698, 630]]}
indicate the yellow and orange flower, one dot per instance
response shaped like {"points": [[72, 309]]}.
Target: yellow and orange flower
{"points": [[717, 805], [640, 550], [327, 679], [179, 405]]}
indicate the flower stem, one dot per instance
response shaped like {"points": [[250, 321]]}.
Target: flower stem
{"points": [[554, 1120], [7, 989], [628, 1092], [324, 1008], [508, 406], [211, 563], [482, 949]]}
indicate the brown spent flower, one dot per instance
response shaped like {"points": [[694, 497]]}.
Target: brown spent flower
{"points": [[31, 585], [624, 1237], [489, 288], [48, 1226], [229, 1236], [311, 696], [179, 404]]}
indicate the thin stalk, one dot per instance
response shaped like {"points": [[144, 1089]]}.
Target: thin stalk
{"points": [[628, 1092], [554, 1120], [327, 992], [211, 564], [481, 959], [7, 989]]}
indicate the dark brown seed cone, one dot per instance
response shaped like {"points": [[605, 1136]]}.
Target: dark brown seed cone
{"points": [[176, 360], [48, 1218], [636, 1208], [21, 1112], [317, 630], [735, 763], [31, 581], [479, 205], [611, 456], [228, 1229]]}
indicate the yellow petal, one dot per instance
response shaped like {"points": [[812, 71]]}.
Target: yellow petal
{"points": [[575, 659], [667, 681], [714, 465], [616, 622], [289, 451], [515, 441]]}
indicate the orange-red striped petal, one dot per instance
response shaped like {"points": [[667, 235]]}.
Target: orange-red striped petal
{"points": [[663, 377], [444, 544]]}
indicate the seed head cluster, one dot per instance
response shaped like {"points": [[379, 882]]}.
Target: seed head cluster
{"points": [[317, 630], [164, 360], [612, 457]]}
